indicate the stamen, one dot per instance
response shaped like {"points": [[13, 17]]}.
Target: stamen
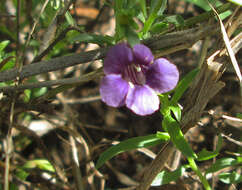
{"points": [[134, 74]]}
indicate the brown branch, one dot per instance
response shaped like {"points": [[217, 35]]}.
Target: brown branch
{"points": [[185, 37], [53, 64], [68, 81]]}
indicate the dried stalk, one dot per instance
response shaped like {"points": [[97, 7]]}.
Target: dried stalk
{"points": [[205, 86]]}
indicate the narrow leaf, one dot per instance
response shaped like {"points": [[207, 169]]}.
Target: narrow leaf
{"points": [[177, 136], [221, 163], [165, 177], [130, 144], [4, 44], [206, 155], [183, 85], [230, 178]]}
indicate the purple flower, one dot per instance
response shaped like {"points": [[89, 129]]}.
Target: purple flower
{"points": [[133, 78]]}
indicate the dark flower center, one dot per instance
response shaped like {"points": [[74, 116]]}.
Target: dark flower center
{"points": [[135, 74]]}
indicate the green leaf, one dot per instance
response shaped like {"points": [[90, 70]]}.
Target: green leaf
{"points": [[8, 62], [176, 110], [132, 37], [204, 5], [177, 136], [177, 20], [37, 92], [143, 7], [22, 174], [238, 2], [165, 177], [91, 38], [13, 186], [39, 163], [222, 163], [159, 27], [27, 95], [4, 44], [129, 144], [157, 9], [206, 155], [5, 30], [239, 115], [163, 136], [183, 85], [69, 19], [230, 178]]}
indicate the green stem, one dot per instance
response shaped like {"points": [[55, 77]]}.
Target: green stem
{"points": [[202, 178]]}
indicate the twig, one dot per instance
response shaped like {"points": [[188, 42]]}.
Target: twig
{"points": [[76, 165], [156, 166], [83, 100], [67, 81], [50, 47], [42, 146], [227, 45], [9, 140], [9, 147], [232, 140], [52, 28], [34, 25], [157, 43]]}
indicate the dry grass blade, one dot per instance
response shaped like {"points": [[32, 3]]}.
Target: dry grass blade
{"points": [[228, 46]]}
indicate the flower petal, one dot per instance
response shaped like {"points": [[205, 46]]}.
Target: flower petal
{"points": [[162, 76], [142, 54], [113, 90], [118, 57], [142, 100]]}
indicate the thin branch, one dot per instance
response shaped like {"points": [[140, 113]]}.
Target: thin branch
{"points": [[51, 46], [76, 166], [34, 25], [190, 36], [53, 64], [9, 141], [232, 140], [68, 81]]}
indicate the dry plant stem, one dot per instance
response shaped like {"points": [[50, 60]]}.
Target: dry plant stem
{"points": [[228, 47], [34, 25], [9, 140], [69, 81], [190, 36], [204, 51], [204, 87], [156, 166], [232, 140], [215, 142], [42, 146], [9, 147], [52, 28], [76, 165], [232, 27], [51, 46], [53, 64]]}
